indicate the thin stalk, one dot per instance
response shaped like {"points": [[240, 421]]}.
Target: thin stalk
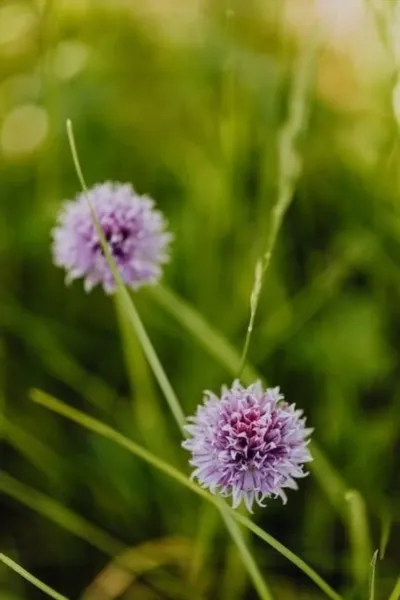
{"points": [[289, 168], [208, 522], [245, 554], [371, 595], [386, 524], [109, 433], [395, 595], [126, 301], [31, 578], [360, 539]]}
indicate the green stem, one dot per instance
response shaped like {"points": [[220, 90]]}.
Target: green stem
{"points": [[395, 595], [371, 595], [126, 302], [289, 168], [247, 558], [360, 540], [29, 577]]}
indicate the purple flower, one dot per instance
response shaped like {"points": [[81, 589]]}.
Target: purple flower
{"points": [[248, 444], [134, 230]]}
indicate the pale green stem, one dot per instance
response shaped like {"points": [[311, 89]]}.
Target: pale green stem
{"points": [[247, 558], [360, 540], [386, 522], [395, 595], [208, 521], [371, 595], [109, 433], [289, 168], [29, 577], [126, 301]]}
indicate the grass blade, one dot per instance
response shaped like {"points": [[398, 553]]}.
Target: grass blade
{"points": [[289, 167], [126, 303], [245, 554], [395, 595], [111, 434], [208, 521], [360, 540], [386, 524], [371, 595], [29, 577]]}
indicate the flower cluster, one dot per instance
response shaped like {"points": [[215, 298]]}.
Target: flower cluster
{"points": [[248, 444], [134, 230]]}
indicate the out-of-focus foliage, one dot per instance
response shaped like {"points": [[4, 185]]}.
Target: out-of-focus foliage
{"points": [[186, 101]]}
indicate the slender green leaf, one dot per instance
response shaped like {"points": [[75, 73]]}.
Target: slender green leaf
{"points": [[207, 524], [46, 589], [289, 168], [371, 595], [395, 595], [234, 581], [126, 302], [360, 540], [386, 523]]}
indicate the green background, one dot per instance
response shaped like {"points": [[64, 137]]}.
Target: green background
{"points": [[189, 106]]}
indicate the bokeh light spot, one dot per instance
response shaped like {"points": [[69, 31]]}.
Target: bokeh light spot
{"points": [[16, 22], [23, 130]]}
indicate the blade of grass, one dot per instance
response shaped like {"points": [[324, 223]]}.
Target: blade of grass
{"points": [[386, 524], [395, 595], [127, 306], [289, 168], [147, 413], [46, 589], [371, 595], [207, 524], [104, 430], [59, 514], [244, 552], [360, 539], [233, 583]]}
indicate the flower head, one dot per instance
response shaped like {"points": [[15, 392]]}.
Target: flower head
{"points": [[134, 230], [248, 444]]}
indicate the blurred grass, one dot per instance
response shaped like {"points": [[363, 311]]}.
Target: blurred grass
{"points": [[149, 90]]}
